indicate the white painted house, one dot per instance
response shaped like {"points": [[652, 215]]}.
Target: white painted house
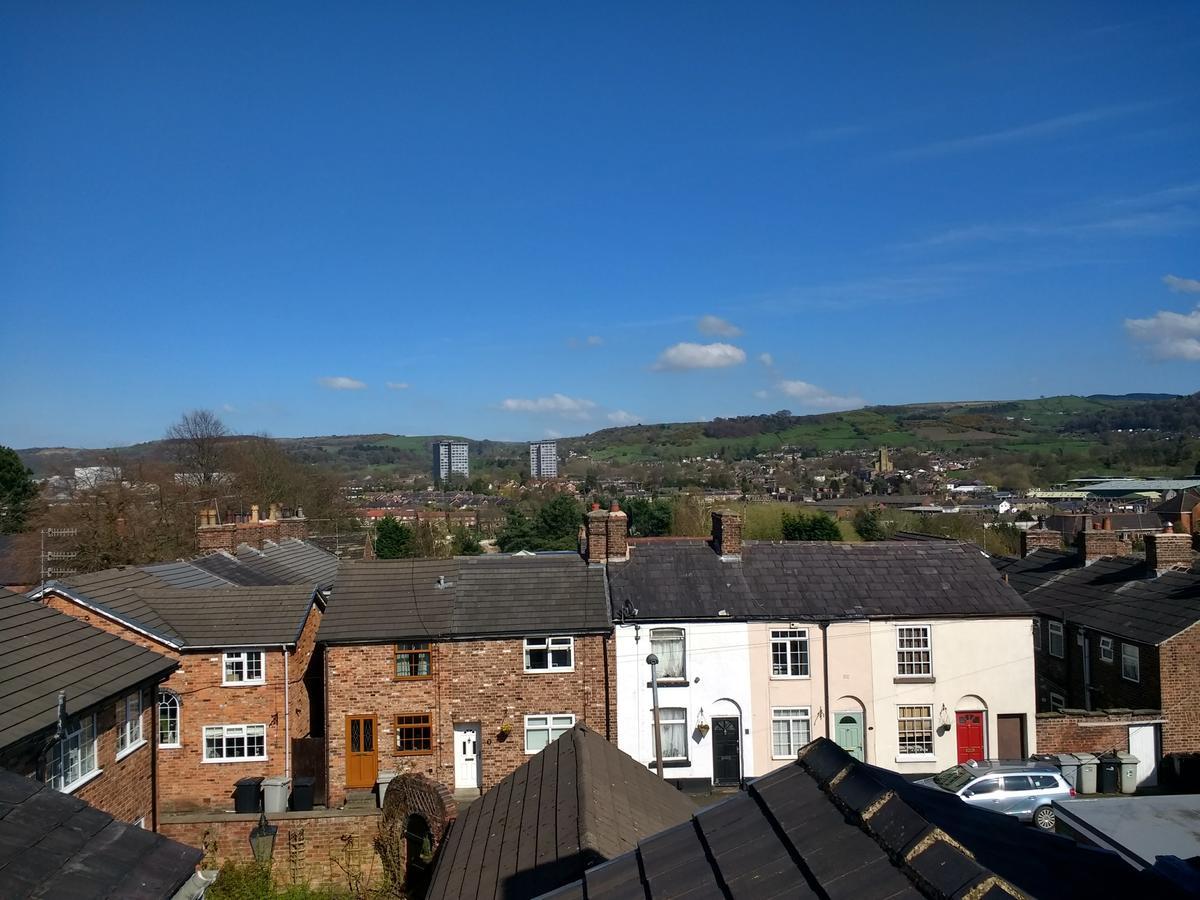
{"points": [[911, 655]]}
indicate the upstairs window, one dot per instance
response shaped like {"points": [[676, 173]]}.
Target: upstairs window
{"points": [[414, 659], [550, 654], [1055, 632], [667, 645], [1106, 649], [914, 650], [789, 653], [129, 722], [244, 667], [168, 719], [1131, 663], [73, 759]]}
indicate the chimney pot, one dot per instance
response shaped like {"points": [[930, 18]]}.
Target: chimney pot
{"points": [[253, 512]]}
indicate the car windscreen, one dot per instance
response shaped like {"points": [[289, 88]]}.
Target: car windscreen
{"points": [[953, 779]]}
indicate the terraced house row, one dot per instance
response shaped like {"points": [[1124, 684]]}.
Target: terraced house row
{"points": [[285, 662]]}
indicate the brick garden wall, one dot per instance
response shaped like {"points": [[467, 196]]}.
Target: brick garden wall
{"points": [[472, 681], [124, 788], [185, 781], [321, 847], [1180, 679], [1076, 731]]}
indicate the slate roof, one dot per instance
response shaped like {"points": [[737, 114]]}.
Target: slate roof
{"points": [[1179, 502], [1035, 569], [291, 561], [46, 651], [579, 802], [477, 596], [119, 592], [55, 845], [828, 826], [235, 616], [810, 580]]}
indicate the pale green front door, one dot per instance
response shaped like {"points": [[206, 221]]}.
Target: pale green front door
{"points": [[848, 732]]}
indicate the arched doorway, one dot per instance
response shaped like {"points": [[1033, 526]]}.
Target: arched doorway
{"points": [[418, 855], [850, 726]]}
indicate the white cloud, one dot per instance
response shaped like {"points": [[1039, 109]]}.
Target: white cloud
{"points": [[1182, 285], [551, 433], [397, 385], [228, 408], [341, 383], [715, 326], [594, 340], [555, 404], [621, 417], [766, 359], [1168, 335], [761, 395], [687, 355], [814, 396]]}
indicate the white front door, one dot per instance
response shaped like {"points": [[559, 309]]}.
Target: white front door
{"points": [[466, 757], [1143, 743]]}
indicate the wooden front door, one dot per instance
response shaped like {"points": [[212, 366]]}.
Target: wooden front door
{"points": [[727, 750], [1010, 736], [968, 728], [362, 753], [848, 733]]}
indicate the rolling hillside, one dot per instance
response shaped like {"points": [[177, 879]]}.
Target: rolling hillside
{"points": [[1047, 424]]}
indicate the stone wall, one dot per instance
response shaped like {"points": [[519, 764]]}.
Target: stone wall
{"points": [[321, 847], [480, 682]]}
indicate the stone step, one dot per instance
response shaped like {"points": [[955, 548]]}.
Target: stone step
{"points": [[360, 800]]}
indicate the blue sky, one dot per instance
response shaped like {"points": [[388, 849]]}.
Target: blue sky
{"points": [[518, 220]]}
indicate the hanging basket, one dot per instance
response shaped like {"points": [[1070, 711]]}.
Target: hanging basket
{"points": [[702, 729]]}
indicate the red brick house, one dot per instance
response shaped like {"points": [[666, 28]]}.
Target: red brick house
{"points": [[244, 686], [76, 708], [462, 669]]}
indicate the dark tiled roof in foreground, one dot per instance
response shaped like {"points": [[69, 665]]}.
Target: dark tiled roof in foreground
{"points": [[579, 802], [56, 846], [465, 597], [45, 652], [235, 616], [811, 580], [827, 826], [1113, 595]]}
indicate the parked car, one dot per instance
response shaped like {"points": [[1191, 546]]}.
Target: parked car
{"points": [[1021, 789]]}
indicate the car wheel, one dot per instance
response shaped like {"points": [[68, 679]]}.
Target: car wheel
{"points": [[1044, 818]]}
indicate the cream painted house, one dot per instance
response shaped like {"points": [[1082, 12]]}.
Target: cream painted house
{"points": [[911, 656]]}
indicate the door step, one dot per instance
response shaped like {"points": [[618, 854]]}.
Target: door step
{"points": [[364, 799]]}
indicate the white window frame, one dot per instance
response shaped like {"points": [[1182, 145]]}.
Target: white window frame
{"points": [[225, 736], [790, 716], [1055, 631], [241, 657], [549, 723], [81, 733], [548, 644], [1037, 634], [171, 696], [682, 635], [1106, 649], [663, 722], [1057, 701], [906, 756], [910, 631], [795, 657], [129, 724], [1131, 653]]}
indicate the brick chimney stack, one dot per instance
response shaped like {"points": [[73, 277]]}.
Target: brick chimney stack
{"points": [[1097, 542], [617, 533], [596, 548], [1040, 537], [1165, 549], [727, 534]]}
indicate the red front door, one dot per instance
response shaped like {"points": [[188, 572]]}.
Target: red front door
{"points": [[969, 728]]}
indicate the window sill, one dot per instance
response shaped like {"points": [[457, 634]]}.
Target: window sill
{"points": [[563, 671], [914, 679], [792, 758], [243, 683], [791, 678], [428, 677], [670, 682], [239, 759], [176, 746], [916, 757], [132, 748], [76, 785], [671, 764]]}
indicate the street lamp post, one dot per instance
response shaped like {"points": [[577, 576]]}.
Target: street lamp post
{"points": [[653, 661]]}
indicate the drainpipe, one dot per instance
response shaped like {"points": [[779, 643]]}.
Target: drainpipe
{"points": [[653, 661], [825, 667], [287, 714], [1087, 669]]}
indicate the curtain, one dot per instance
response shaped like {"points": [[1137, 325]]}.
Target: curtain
{"points": [[667, 645]]}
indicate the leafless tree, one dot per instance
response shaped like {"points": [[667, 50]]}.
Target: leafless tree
{"points": [[197, 440]]}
